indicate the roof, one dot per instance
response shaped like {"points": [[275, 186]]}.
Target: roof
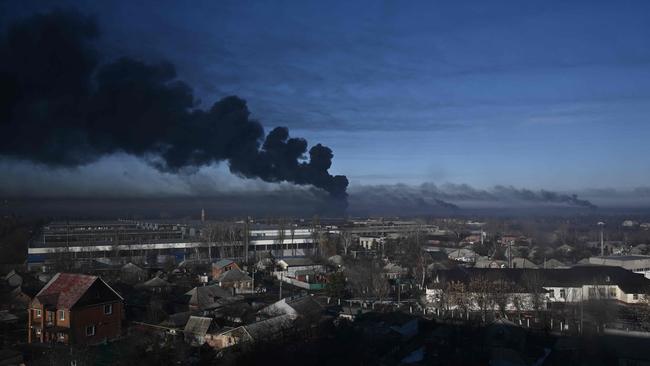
{"points": [[519, 262], [554, 263], [624, 257], [131, 267], [490, 263], [234, 275], [205, 296], [300, 305], [305, 272], [176, 320], [393, 267], [11, 274], [197, 325], [266, 329], [65, 289], [462, 252], [222, 263]]}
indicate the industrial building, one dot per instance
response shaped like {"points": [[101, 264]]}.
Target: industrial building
{"points": [[156, 243]]}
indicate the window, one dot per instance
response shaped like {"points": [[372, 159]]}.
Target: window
{"points": [[90, 330], [38, 313], [108, 309], [635, 296], [61, 314], [562, 293], [551, 294]]}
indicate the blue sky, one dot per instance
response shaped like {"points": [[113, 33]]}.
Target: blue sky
{"points": [[537, 94]]}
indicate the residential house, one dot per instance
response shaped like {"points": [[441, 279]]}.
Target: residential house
{"points": [[472, 239], [197, 328], [14, 298], [75, 309], [543, 286], [206, 297], [514, 239], [463, 255], [303, 306], [267, 330], [484, 262], [520, 262], [131, 273], [289, 266], [13, 279], [221, 266], [553, 263], [235, 278], [156, 284], [371, 242], [393, 271]]}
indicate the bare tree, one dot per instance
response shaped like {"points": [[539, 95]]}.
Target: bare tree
{"points": [[367, 280], [346, 241], [293, 244], [533, 283], [458, 295], [315, 233], [279, 242], [480, 289], [501, 295]]}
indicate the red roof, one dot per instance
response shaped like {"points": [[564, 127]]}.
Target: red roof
{"points": [[65, 289]]}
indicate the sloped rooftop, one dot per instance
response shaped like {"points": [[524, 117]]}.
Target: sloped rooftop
{"points": [[65, 289]]}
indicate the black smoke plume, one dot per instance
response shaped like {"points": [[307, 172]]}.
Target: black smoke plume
{"points": [[60, 107], [408, 198]]}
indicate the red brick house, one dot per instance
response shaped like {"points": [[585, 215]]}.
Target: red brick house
{"points": [[75, 309], [221, 266]]}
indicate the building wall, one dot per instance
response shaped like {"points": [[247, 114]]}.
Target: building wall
{"points": [[237, 284], [525, 301], [41, 329], [217, 271], [137, 240], [107, 327]]}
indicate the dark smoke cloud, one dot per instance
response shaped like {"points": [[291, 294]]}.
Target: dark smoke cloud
{"points": [[499, 193], [399, 199], [429, 197], [60, 107]]}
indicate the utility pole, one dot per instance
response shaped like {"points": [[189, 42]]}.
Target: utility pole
{"points": [[253, 282], [246, 238], [581, 311], [510, 254], [281, 280], [399, 291], [602, 241]]}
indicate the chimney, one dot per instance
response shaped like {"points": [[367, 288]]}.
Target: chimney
{"points": [[202, 215]]}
